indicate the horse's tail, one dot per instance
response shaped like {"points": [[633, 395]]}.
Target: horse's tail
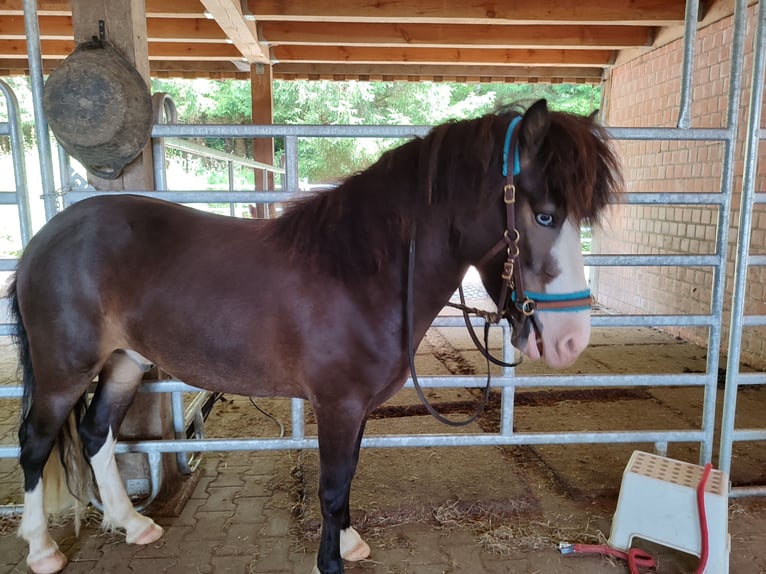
{"points": [[66, 476]]}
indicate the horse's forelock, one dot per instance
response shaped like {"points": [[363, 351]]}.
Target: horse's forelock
{"points": [[581, 166]]}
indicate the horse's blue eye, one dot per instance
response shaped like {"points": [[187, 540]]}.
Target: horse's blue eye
{"points": [[544, 219]]}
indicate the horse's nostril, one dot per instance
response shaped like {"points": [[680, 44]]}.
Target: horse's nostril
{"points": [[569, 347]]}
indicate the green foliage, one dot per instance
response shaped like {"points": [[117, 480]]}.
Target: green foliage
{"points": [[20, 87], [338, 103]]}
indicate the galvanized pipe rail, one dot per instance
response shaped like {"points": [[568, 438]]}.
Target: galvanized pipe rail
{"points": [[738, 321]]}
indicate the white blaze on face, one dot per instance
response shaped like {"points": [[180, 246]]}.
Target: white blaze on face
{"points": [[565, 334]]}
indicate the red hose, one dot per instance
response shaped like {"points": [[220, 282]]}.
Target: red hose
{"points": [[703, 519], [637, 558]]}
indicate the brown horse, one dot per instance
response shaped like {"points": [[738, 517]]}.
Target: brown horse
{"points": [[312, 304]]}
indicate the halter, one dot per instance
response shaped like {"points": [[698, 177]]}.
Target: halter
{"points": [[526, 302]]}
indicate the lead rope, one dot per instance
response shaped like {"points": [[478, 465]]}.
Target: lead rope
{"points": [[410, 319], [489, 317]]}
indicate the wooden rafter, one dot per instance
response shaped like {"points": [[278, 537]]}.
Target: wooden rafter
{"points": [[420, 56], [628, 12], [546, 40], [455, 35], [241, 31]]}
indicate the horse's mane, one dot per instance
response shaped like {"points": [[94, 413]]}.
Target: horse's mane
{"points": [[360, 226]]}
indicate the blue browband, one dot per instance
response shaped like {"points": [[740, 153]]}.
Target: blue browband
{"points": [[506, 148], [553, 297]]}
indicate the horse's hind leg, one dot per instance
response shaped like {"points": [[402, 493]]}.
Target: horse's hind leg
{"points": [[119, 381], [46, 493]]}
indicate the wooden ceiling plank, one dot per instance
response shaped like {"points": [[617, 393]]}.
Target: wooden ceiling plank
{"points": [[456, 35], [419, 56], [631, 12], [51, 27], [400, 70], [183, 30], [158, 29], [175, 68], [241, 31], [44, 7]]}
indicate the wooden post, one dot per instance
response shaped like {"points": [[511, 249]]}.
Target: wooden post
{"points": [[263, 148], [124, 26]]}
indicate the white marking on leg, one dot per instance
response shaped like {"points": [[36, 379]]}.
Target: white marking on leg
{"points": [[44, 556], [118, 510], [352, 547]]}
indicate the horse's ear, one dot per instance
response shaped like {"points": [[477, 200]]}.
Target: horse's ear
{"points": [[534, 127], [594, 115]]}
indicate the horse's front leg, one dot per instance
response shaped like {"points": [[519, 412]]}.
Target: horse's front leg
{"points": [[339, 438]]}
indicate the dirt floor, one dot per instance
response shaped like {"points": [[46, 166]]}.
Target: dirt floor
{"points": [[429, 510]]}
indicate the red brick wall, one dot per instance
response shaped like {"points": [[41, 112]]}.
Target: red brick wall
{"points": [[645, 92]]}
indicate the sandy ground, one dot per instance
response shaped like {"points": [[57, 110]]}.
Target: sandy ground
{"points": [[426, 510]]}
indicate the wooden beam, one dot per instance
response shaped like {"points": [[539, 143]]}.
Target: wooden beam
{"points": [[59, 49], [455, 35], [219, 69], [228, 14], [420, 56], [629, 12], [51, 28], [184, 30], [446, 70], [158, 29], [366, 34], [44, 7]]}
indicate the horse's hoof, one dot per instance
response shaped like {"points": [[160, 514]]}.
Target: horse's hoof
{"points": [[352, 547], [54, 562], [152, 533]]}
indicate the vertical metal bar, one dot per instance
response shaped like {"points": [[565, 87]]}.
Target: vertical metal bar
{"points": [[298, 422], [719, 271], [64, 167], [690, 36], [230, 173], [291, 164], [179, 428], [164, 110], [743, 243], [34, 54], [508, 394], [19, 165]]}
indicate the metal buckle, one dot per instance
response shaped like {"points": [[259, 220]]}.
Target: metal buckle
{"points": [[509, 193], [527, 307], [507, 273]]}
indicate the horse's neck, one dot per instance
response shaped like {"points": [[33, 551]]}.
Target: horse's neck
{"points": [[438, 271]]}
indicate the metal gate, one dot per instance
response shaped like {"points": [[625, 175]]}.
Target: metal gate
{"points": [[508, 382], [739, 321]]}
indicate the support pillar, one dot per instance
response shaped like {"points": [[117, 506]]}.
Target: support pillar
{"points": [[263, 148], [125, 27]]}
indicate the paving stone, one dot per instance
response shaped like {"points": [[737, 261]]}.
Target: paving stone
{"points": [[220, 498], [209, 527], [256, 485], [200, 489], [231, 564], [249, 510], [277, 523], [272, 554], [166, 546]]}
